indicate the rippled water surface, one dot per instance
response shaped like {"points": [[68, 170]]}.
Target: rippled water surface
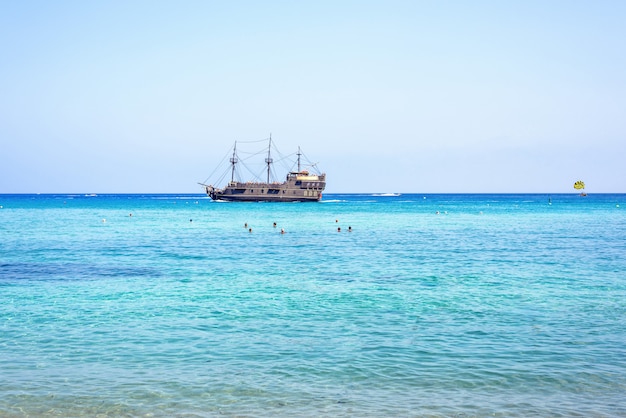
{"points": [[436, 305]]}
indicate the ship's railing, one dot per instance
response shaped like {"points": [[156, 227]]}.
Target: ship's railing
{"points": [[251, 183]]}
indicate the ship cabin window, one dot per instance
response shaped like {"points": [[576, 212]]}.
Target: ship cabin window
{"points": [[298, 182]]}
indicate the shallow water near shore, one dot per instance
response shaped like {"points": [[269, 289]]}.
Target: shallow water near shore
{"points": [[433, 305]]}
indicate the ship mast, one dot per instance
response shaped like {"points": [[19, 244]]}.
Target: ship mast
{"points": [[233, 161], [299, 154], [269, 160]]}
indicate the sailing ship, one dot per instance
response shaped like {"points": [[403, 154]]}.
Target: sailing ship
{"points": [[300, 185]]}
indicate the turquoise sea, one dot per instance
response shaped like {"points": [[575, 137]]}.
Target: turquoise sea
{"points": [[432, 306]]}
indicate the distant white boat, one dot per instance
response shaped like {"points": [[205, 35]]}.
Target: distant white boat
{"points": [[387, 194]]}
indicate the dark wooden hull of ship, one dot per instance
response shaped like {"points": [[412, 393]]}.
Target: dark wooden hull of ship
{"points": [[293, 190], [261, 198]]}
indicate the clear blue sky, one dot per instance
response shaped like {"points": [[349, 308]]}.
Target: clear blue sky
{"points": [[388, 96]]}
